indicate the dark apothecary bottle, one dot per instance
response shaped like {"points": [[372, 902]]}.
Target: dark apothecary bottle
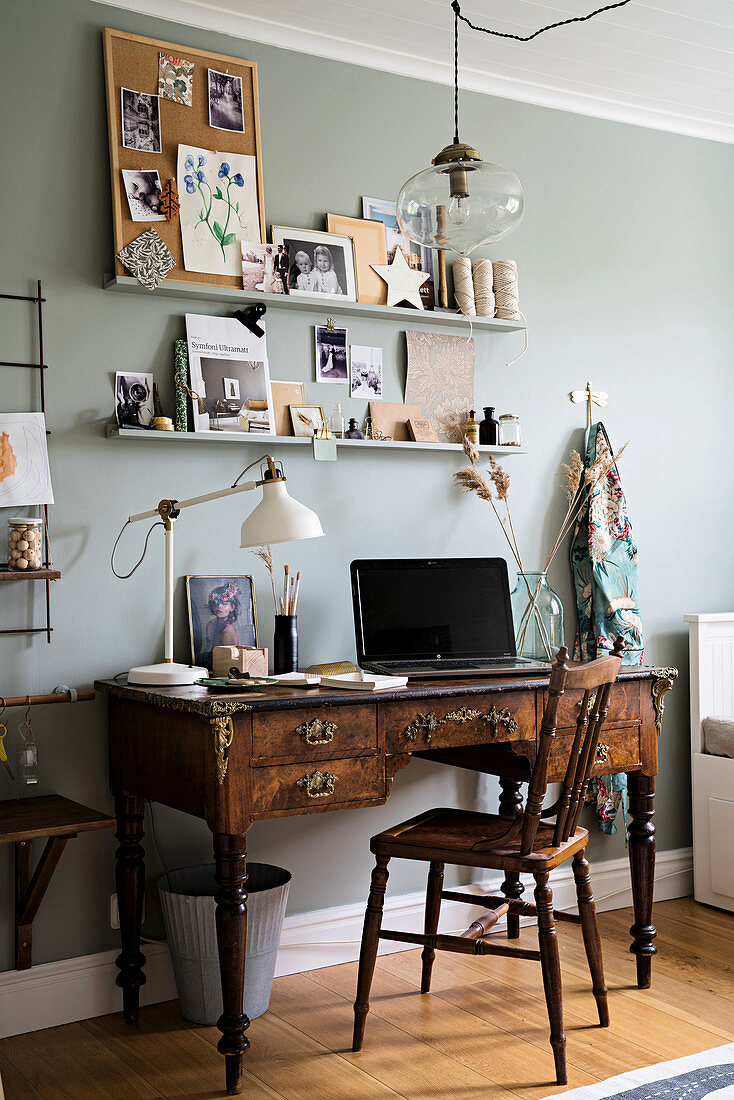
{"points": [[489, 428], [353, 431]]}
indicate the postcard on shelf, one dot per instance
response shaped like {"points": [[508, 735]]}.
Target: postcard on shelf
{"points": [[228, 368], [364, 681]]}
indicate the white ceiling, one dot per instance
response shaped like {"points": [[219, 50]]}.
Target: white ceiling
{"points": [[667, 64]]}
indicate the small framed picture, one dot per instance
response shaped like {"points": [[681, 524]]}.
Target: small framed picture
{"points": [[143, 190], [133, 399], [306, 419], [221, 612], [422, 431], [232, 388], [385, 211], [265, 267], [225, 102], [141, 121], [366, 373], [331, 354], [321, 264]]}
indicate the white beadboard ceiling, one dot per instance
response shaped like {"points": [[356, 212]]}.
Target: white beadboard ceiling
{"points": [[667, 64]]}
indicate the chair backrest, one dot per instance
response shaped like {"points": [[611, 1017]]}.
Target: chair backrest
{"points": [[595, 679]]}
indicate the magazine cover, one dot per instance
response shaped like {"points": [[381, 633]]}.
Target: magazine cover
{"points": [[228, 368]]}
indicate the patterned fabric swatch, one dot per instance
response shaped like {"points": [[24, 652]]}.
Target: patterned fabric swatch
{"points": [[147, 258], [175, 78]]}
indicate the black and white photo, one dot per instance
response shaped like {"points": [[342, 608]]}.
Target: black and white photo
{"points": [[366, 372], [321, 264], [143, 190], [225, 102], [331, 354], [133, 399], [141, 121]]}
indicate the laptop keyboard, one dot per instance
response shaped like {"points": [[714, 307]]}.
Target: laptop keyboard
{"points": [[479, 663]]}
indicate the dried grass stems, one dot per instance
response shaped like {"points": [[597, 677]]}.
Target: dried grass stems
{"points": [[577, 484], [265, 554]]}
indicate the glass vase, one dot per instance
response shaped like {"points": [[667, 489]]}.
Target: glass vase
{"points": [[537, 613]]}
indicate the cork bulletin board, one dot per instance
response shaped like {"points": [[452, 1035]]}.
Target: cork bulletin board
{"points": [[132, 62]]}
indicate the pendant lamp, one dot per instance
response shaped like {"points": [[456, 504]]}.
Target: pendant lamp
{"points": [[460, 201]]}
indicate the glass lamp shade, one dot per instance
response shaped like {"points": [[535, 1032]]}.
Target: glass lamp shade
{"points": [[460, 202], [279, 518]]}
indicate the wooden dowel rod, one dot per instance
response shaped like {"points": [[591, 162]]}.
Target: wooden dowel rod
{"points": [[36, 700]]}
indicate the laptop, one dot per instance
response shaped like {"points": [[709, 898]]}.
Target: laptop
{"points": [[435, 617]]}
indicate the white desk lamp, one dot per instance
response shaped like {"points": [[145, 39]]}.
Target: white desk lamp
{"points": [[277, 518]]}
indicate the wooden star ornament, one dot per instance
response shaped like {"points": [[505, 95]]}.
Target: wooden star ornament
{"points": [[403, 283]]}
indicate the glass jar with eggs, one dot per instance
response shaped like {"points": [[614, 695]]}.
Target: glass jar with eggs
{"points": [[25, 543]]}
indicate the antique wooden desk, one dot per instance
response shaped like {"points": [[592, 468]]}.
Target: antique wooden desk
{"points": [[234, 759]]}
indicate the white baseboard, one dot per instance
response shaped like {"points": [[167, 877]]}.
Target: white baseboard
{"points": [[78, 989]]}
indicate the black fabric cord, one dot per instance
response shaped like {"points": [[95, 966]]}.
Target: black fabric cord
{"points": [[551, 26]]}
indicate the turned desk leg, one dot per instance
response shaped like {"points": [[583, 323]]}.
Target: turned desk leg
{"points": [[130, 881], [512, 888], [230, 854], [642, 868]]}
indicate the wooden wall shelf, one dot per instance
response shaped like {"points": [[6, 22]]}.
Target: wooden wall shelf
{"points": [[28, 574], [265, 442], [126, 284]]}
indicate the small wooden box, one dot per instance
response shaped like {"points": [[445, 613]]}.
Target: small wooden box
{"points": [[245, 658]]}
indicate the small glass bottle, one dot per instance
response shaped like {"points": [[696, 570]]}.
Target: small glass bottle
{"points": [[337, 421], [471, 431], [24, 544], [509, 433], [489, 427], [353, 431]]}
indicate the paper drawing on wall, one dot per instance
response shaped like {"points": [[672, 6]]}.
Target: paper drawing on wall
{"points": [[25, 477], [175, 78], [218, 208]]}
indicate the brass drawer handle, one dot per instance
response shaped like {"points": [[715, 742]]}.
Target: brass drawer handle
{"points": [[318, 784], [427, 724], [463, 714], [317, 732], [497, 718], [602, 753]]}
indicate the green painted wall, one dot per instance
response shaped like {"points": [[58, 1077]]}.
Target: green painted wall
{"points": [[626, 277]]}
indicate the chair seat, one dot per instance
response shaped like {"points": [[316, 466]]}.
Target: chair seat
{"points": [[475, 840]]}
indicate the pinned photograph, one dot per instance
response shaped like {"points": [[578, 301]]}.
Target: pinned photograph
{"points": [[321, 264], [221, 612], [331, 354], [141, 121], [366, 374], [25, 478], [175, 78], [265, 267], [133, 399], [225, 102], [143, 190]]}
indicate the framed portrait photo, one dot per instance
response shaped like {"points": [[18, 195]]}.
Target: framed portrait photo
{"points": [[321, 264], [306, 419], [221, 612]]}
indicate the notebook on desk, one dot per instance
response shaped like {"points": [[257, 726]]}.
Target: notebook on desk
{"points": [[435, 617]]}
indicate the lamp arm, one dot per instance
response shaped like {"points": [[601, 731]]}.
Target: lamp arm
{"points": [[170, 506]]}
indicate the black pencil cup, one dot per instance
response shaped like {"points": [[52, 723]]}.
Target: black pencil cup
{"points": [[285, 644]]}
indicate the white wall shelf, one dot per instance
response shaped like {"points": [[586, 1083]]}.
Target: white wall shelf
{"points": [[126, 284], [267, 441]]}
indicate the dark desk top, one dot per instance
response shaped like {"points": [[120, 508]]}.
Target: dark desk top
{"points": [[211, 703]]}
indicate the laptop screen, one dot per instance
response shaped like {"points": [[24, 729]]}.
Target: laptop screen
{"points": [[420, 609]]}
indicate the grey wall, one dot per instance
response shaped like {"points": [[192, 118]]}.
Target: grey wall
{"points": [[626, 278]]}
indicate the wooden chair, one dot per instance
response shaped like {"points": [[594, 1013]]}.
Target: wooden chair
{"points": [[526, 845]]}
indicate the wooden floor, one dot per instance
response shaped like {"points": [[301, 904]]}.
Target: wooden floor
{"points": [[482, 1033]]}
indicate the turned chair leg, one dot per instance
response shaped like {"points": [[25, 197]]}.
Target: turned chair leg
{"points": [[430, 927], [368, 952], [551, 967], [590, 931]]}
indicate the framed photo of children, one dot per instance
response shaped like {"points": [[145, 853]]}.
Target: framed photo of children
{"points": [[321, 264], [221, 612]]}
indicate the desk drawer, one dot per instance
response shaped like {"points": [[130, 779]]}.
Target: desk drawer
{"points": [[461, 720], [618, 749], [624, 704], [314, 733], [298, 786]]}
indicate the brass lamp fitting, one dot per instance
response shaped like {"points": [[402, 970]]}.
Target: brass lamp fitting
{"points": [[453, 154]]}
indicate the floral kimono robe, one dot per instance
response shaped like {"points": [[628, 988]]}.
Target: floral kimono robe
{"points": [[604, 566]]}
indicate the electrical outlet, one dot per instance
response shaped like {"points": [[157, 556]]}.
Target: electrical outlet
{"points": [[115, 912]]}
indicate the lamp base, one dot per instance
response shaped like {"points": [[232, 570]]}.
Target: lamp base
{"points": [[167, 674]]}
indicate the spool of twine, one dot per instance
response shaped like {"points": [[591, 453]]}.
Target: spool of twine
{"points": [[483, 279], [506, 290], [463, 286]]}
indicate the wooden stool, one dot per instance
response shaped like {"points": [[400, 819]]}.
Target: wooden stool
{"points": [[23, 820]]}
